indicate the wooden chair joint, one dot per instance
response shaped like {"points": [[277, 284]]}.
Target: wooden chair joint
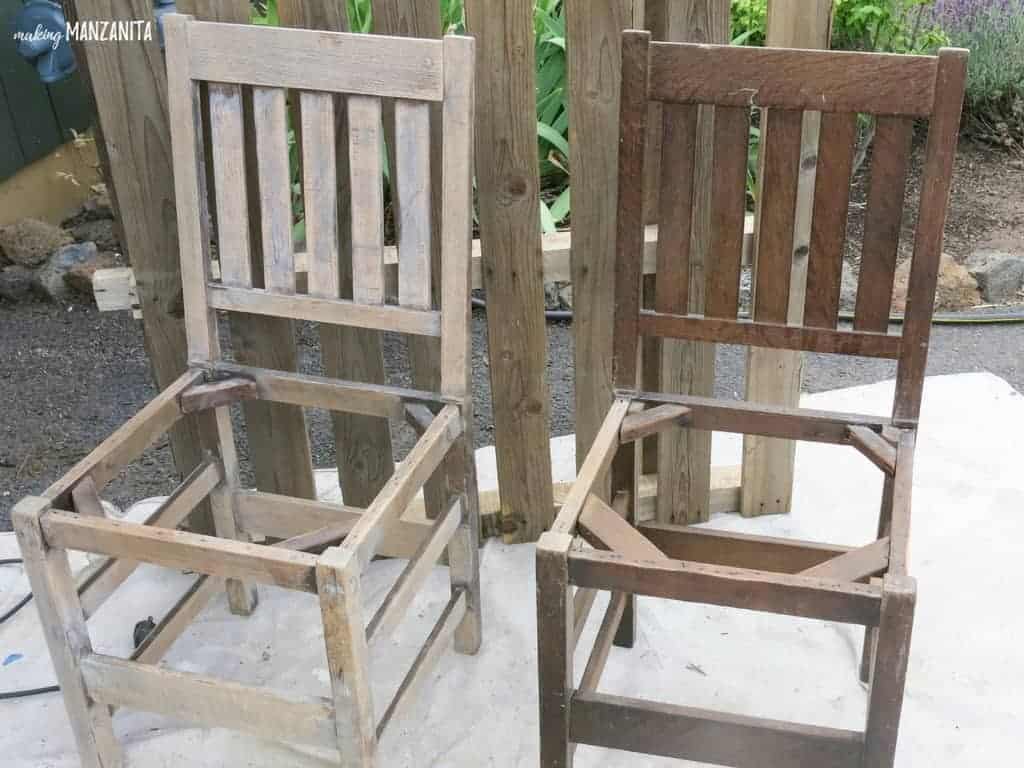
{"points": [[217, 394], [874, 446], [653, 420]]}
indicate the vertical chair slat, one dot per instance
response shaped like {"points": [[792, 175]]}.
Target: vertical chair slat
{"points": [[728, 210], [320, 193], [780, 142], [675, 204], [828, 225], [889, 157], [228, 136], [275, 188], [366, 179], [412, 161]]}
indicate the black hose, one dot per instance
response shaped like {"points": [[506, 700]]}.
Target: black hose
{"points": [[23, 694]]}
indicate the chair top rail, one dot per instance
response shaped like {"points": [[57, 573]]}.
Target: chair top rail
{"points": [[314, 60], [825, 81]]}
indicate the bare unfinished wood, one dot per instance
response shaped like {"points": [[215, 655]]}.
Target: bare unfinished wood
{"points": [[827, 81], [704, 736], [412, 160], [418, 416], [774, 335], [883, 218], [86, 499], [389, 67], [320, 193], [67, 637], [195, 698], [275, 191], [582, 603], [651, 421], [216, 394], [227, 134], [603, 526], [874, 446], [338, 311], [728, 207], [855, 565], [177, 620], [603, 642], [555, 646], [902, 486], [780, 593], [366, 175]]}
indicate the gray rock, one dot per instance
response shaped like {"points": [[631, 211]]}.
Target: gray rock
{"points": [[99, 231], [557, 296], [848, 288], [79, 278], [29, 242], [1000, 275], [50, 277], [16, 283]]}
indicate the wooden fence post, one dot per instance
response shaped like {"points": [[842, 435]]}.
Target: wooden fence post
{"points": [[131, 104], [364, 454], [277, 437], [688, 367], [508, 189], [420, 18], [774, 376]]}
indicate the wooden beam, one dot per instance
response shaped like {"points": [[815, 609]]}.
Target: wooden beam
{"points": [[603, 527], [727, 586], [508, 187], [856, 565], [704, 736], [874, 446], [651, 421], [774, 376], [217, 394], [603, 643], [86, 499], [418, 416], [176, 620]]}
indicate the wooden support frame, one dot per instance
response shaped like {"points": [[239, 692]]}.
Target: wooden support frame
{"points": [[389, 524]]}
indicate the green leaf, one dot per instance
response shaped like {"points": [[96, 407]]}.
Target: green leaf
{"points": [[560, 208], [553, 137], [547, 221]]}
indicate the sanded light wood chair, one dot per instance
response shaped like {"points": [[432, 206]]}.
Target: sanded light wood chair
{"points": [[596, 546], [341, 81]]}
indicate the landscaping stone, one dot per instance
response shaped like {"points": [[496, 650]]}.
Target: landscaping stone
{"points": [[79, 278], [99, 231], [956, 289], [848, 288], [557, 296], [50, 277], [29, 242], [16, 283], [1000, 275]]}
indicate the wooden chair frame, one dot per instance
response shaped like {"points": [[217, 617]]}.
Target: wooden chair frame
{"points": [[326, 68], [596, 546]]}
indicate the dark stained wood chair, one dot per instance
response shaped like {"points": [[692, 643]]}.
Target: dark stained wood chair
{"points": [[596, 546]]}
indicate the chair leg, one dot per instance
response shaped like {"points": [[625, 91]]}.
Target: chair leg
{"points": [[56, 598], [464, 549], [626, 477], [337, 578], [884, 526], [554, 649], [889, 671], [219, 436]]}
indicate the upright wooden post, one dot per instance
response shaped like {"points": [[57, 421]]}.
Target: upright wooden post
{"points": [[277, 437], [508, 187], [420, 18], [131, 104], [774, 376], [594, 31], [364, 454], [688, 367]]}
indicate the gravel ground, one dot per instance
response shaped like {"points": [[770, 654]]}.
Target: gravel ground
{"points": [[70, 375]]}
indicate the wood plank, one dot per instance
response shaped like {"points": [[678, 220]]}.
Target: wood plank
{"points": [[595, 465], [603, 643], [789, 595], [178, 549], [651, 421], [768, 420], [320, 193], [227, 149], [771, 335], [555, 646], [337, 311], [418, 416], [902, 487], [388, 67], [437, 641], [392, 610], [85, 498], [176, 620], [875, 447], [275, 189], [890, 155], [412, 185], [828, 229], [603, 527], [938, 172], [192, 698], [679, 139], [832, 81], [856, 565], [366, 178], [582, 603], [704, 736], [728, 201], [127, 442], [66, 633], [508, 188], [216, 394], [740, 550]]}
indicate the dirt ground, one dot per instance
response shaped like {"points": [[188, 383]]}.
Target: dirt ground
{"points": [[70, 375]]}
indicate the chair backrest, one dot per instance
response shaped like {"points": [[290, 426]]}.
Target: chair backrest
{"points": [[342, 84], [784, 84]]}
